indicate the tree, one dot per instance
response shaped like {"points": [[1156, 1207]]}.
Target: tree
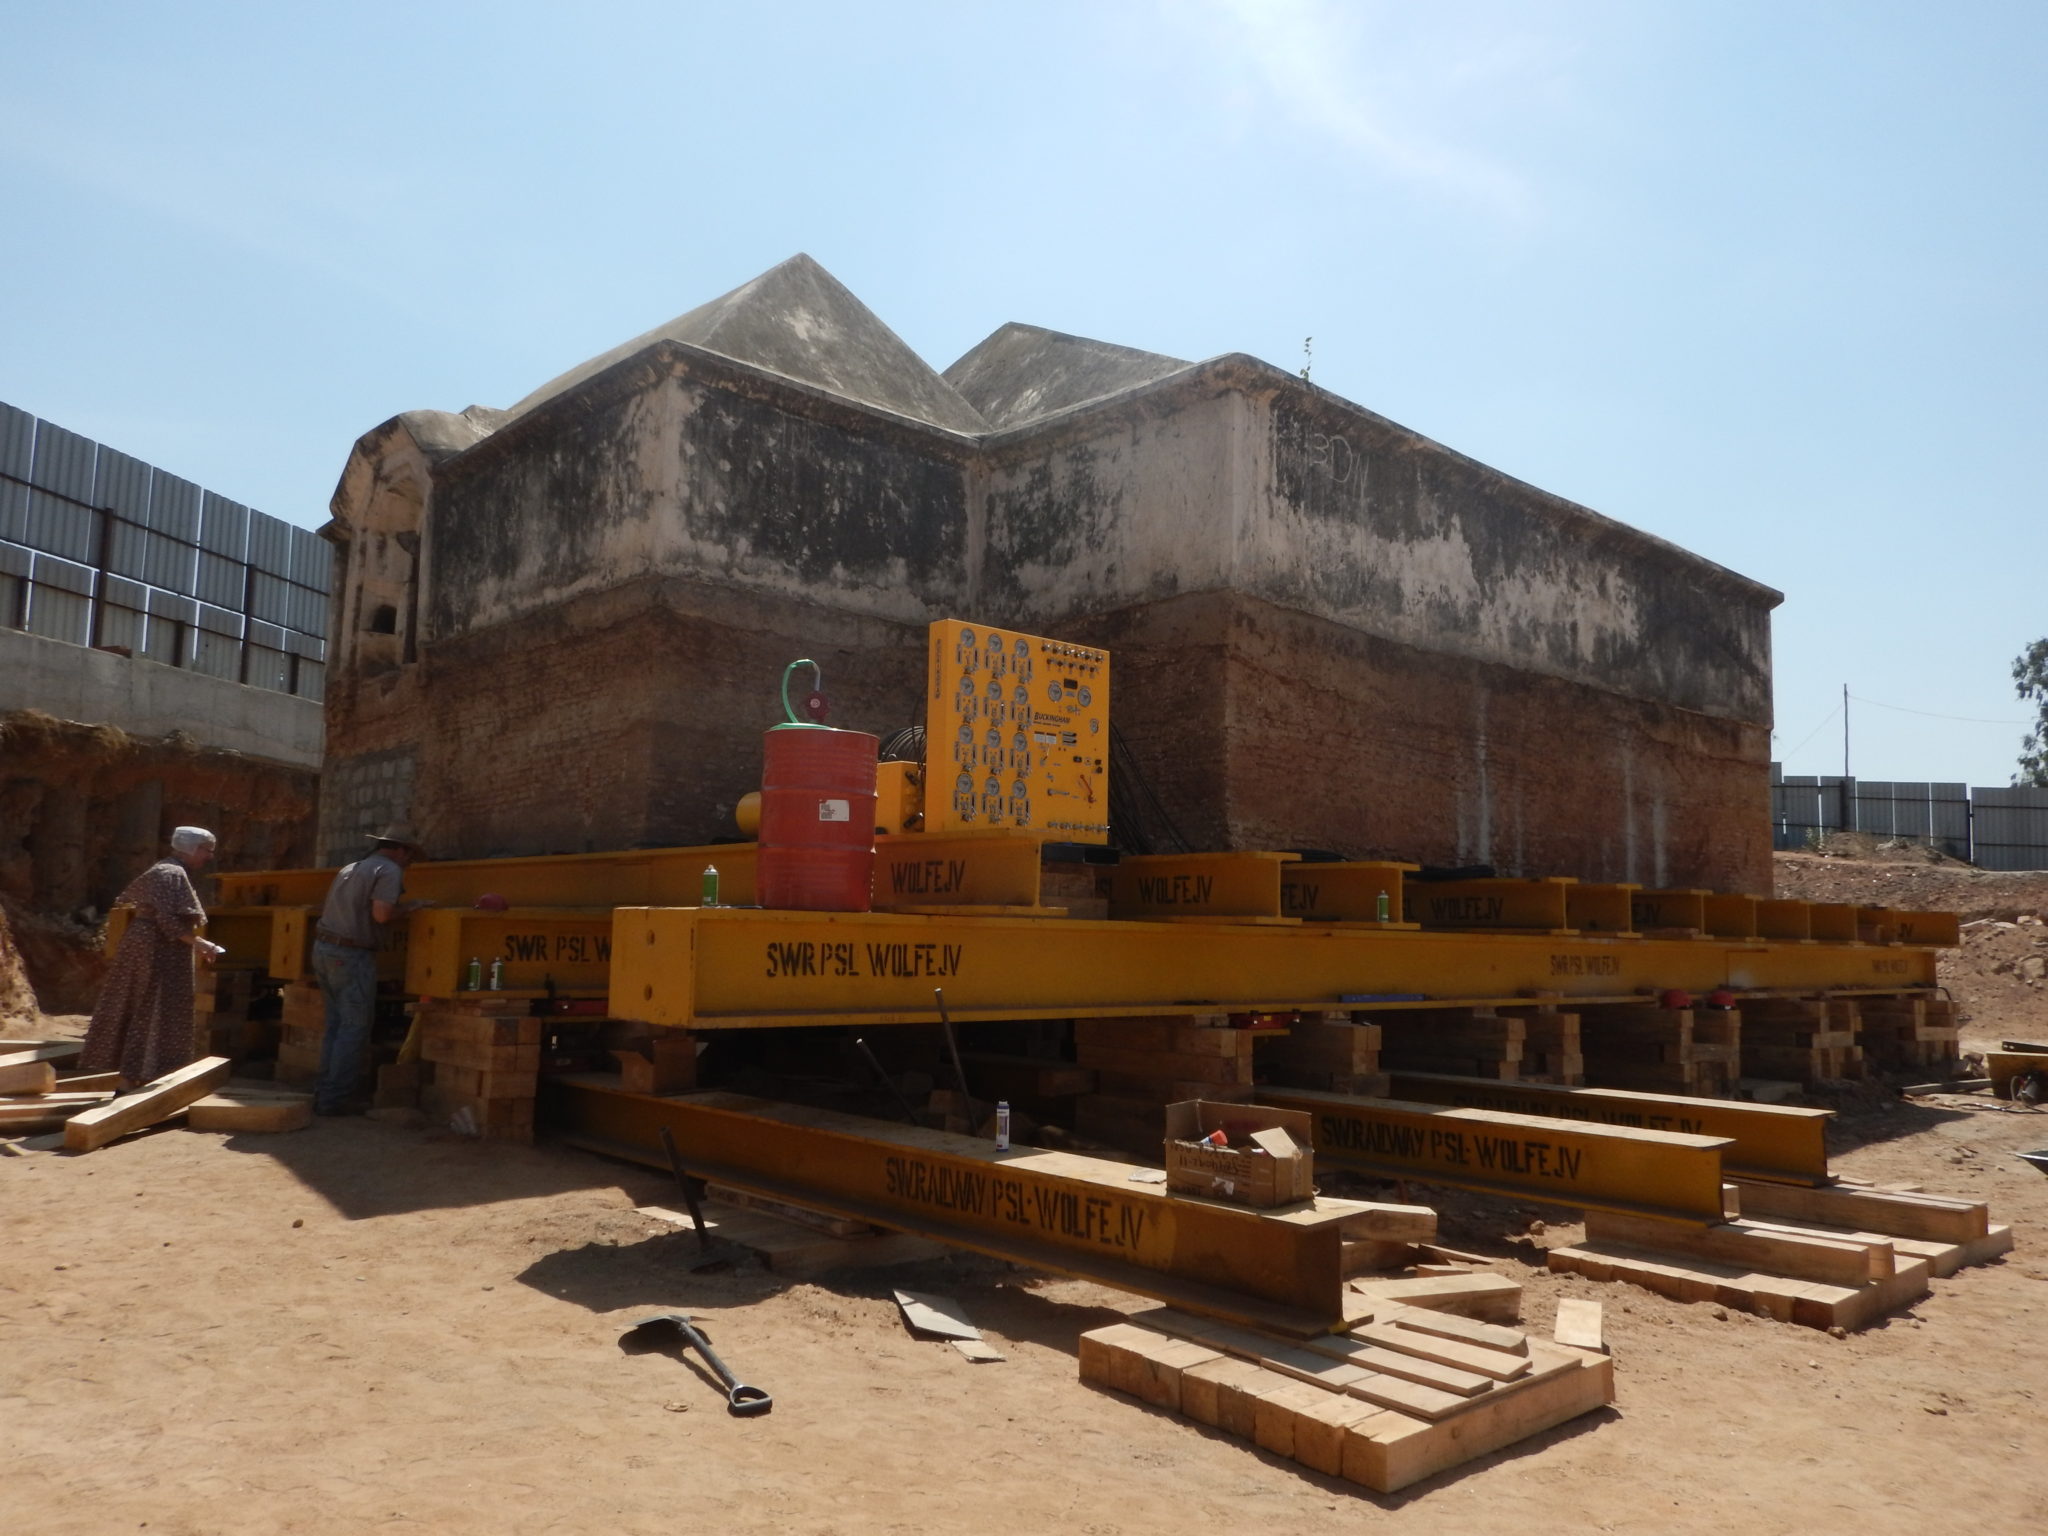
{"points": [[2030, 677]]}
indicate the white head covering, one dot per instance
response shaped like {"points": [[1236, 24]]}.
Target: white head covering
{"points": [[191, 839]]}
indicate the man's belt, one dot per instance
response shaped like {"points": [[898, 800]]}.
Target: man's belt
{"points": [[326, 937]]}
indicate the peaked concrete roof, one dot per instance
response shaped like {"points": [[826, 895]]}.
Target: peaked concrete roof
{"points": [[799, 321], [1024, 372]]}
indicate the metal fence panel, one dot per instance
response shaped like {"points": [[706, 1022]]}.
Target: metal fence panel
{"points": [[221, 581], [59, 605], [312, 560], [60, 517], [270, 598], [174, 507], [2011, 828], [270, 544], [17, 450], [223, 526]]}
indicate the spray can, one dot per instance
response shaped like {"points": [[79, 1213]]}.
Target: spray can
{"points": [[1003, 1125], [498, 974], [1383, 908], [474, 981], [710, 898]]}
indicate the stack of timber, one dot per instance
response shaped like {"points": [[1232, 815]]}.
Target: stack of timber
{"points": [[35, 1097], [1840, 1255], [221, 1000], [300, 1033], [485, 1056], [1909, 1033], [1043, 1089], [1801, 1040], [1470, 1042], [1334, 1052], [151, 1104], [1553, 1050], [1398, 1398], [1690, 1051], [1143, 1064]]}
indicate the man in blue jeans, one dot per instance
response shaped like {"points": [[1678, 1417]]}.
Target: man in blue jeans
{"points": [[361, 904]]}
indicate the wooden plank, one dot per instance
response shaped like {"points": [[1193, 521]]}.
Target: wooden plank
{"points": [[1388, 1362], [239, 1110], [152, 1102], [46, 1111], [1202, 1386], [1390, 1451], [27, 1076], [1929, 1218], [1498, 1364], [91, 1082], [1487, 1296], [1384, 1222], [1509, 1340], [53, 1050], [1831, 1261], [1579, 1324]]}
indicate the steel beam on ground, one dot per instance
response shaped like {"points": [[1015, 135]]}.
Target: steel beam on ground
{"points": [[699, 968], [1775, 1142], [1592, 1167], [1278, 1269]]}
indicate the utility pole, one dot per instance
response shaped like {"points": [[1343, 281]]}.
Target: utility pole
{"points": [[1848, 803]]}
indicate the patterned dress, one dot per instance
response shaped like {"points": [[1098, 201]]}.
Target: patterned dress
{"points": [[142, 1027]]}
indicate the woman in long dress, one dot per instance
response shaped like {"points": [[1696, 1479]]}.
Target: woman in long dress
{"points": [[142, 1027]]}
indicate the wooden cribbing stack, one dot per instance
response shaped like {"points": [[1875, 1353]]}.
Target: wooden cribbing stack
{"points": [[485, 1058], [221, 1001], [1143, 1064], [1399, 1397], [1694, 1051], [1901, 1033], [1471, 1042], [1800, 1040], [301, 1032], [1334, 1052]]}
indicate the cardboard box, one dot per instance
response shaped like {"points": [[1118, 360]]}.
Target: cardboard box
{"points": [[1240, 1173]]}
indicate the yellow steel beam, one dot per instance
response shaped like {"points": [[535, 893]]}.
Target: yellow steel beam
{"points": [[1776, 1142], [1537, 906], [654, 876], [1203, 885], [1349, 892], [1593, 1167], [1600, 908], [568, 949], [958, 869], [1671, 909], [1278, 1269], [725, 968]]}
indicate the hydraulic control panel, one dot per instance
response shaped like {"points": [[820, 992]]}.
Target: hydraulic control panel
{"points": [[1016, 734]]}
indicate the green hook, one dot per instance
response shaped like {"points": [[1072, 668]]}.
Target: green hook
{"points": [[817, 685]]}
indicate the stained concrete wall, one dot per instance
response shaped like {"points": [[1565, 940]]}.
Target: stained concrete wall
{"points": [[679, 463], [1329, 631], [143, 698]]}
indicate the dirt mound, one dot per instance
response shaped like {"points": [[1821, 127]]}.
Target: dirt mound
{"points": [[18, 1011], [1999, 976]]}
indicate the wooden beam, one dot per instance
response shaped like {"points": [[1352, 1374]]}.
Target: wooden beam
{"points": [[250, 1110], [152, 1102], [26, 1076]]}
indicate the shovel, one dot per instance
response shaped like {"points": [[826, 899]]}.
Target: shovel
{"points": [[742, 1400]]}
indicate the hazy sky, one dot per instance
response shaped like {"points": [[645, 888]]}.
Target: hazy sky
{"points": [[1763, 279]]}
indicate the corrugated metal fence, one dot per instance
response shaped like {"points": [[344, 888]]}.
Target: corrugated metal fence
{"points": [[1992, 828], [100, 549]]}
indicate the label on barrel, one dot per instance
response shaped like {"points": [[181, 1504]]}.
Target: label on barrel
{"points": [[835, 810]]}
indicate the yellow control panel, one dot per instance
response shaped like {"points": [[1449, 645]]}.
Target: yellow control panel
{"points": [[1016, 734]]}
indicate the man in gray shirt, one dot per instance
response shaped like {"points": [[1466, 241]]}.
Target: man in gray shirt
{"points": [[361, 903]]}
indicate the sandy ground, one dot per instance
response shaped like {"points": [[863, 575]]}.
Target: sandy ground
{"points": [[358, 1327]]}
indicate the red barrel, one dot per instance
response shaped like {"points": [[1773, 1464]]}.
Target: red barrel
{"points": [[817, 845]]}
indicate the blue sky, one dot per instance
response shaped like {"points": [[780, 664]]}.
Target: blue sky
{"points": [[1765, 280]]}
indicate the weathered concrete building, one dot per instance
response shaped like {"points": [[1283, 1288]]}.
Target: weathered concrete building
{"points": [[559, 627]]}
